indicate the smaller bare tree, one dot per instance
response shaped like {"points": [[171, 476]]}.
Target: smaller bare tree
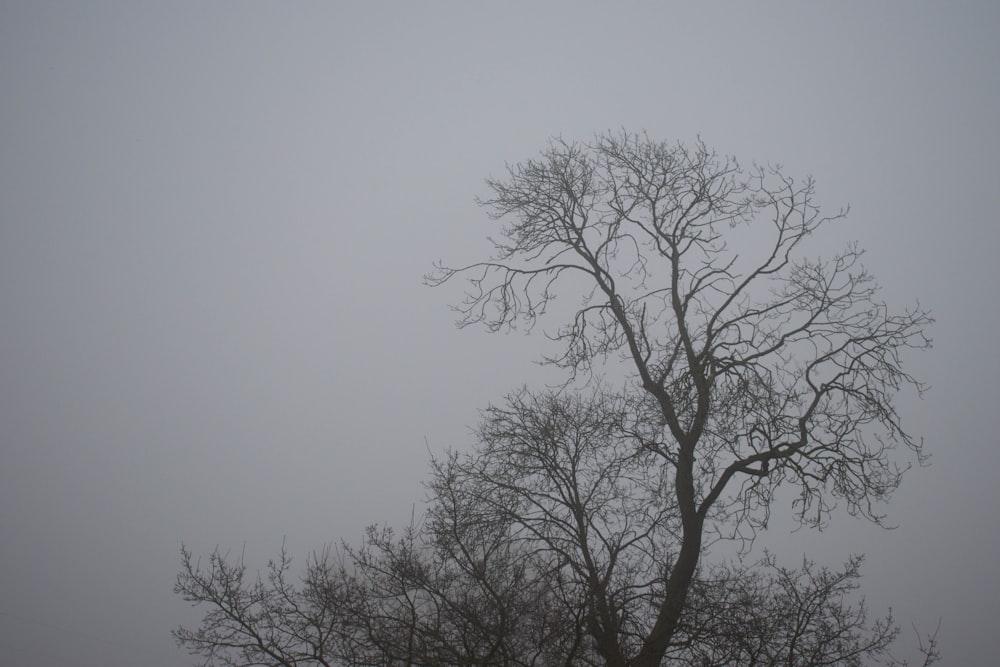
{"points": [[270, 619]]}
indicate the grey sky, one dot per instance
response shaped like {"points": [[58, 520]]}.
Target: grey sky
{"points": [[214, 218]]}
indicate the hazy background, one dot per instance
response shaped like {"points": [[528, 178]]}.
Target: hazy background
{"points": [[214, 218]]}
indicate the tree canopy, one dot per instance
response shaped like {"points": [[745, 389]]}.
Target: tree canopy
{"points": [[758, 364]]}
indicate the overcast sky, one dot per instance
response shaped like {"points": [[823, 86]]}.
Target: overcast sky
{"points": [[215, 216]]}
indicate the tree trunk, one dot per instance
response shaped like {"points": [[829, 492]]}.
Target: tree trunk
{"points": [[673, 603], [679, 582]]}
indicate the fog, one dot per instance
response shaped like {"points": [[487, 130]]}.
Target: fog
{"points": [[214, 219]]}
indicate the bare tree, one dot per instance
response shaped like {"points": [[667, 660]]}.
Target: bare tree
{"points": [[758, 366], [574, 532], [571, 483], [442, 600]]}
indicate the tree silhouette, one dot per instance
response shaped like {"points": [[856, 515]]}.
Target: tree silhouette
{"points": [[755, 366]]}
